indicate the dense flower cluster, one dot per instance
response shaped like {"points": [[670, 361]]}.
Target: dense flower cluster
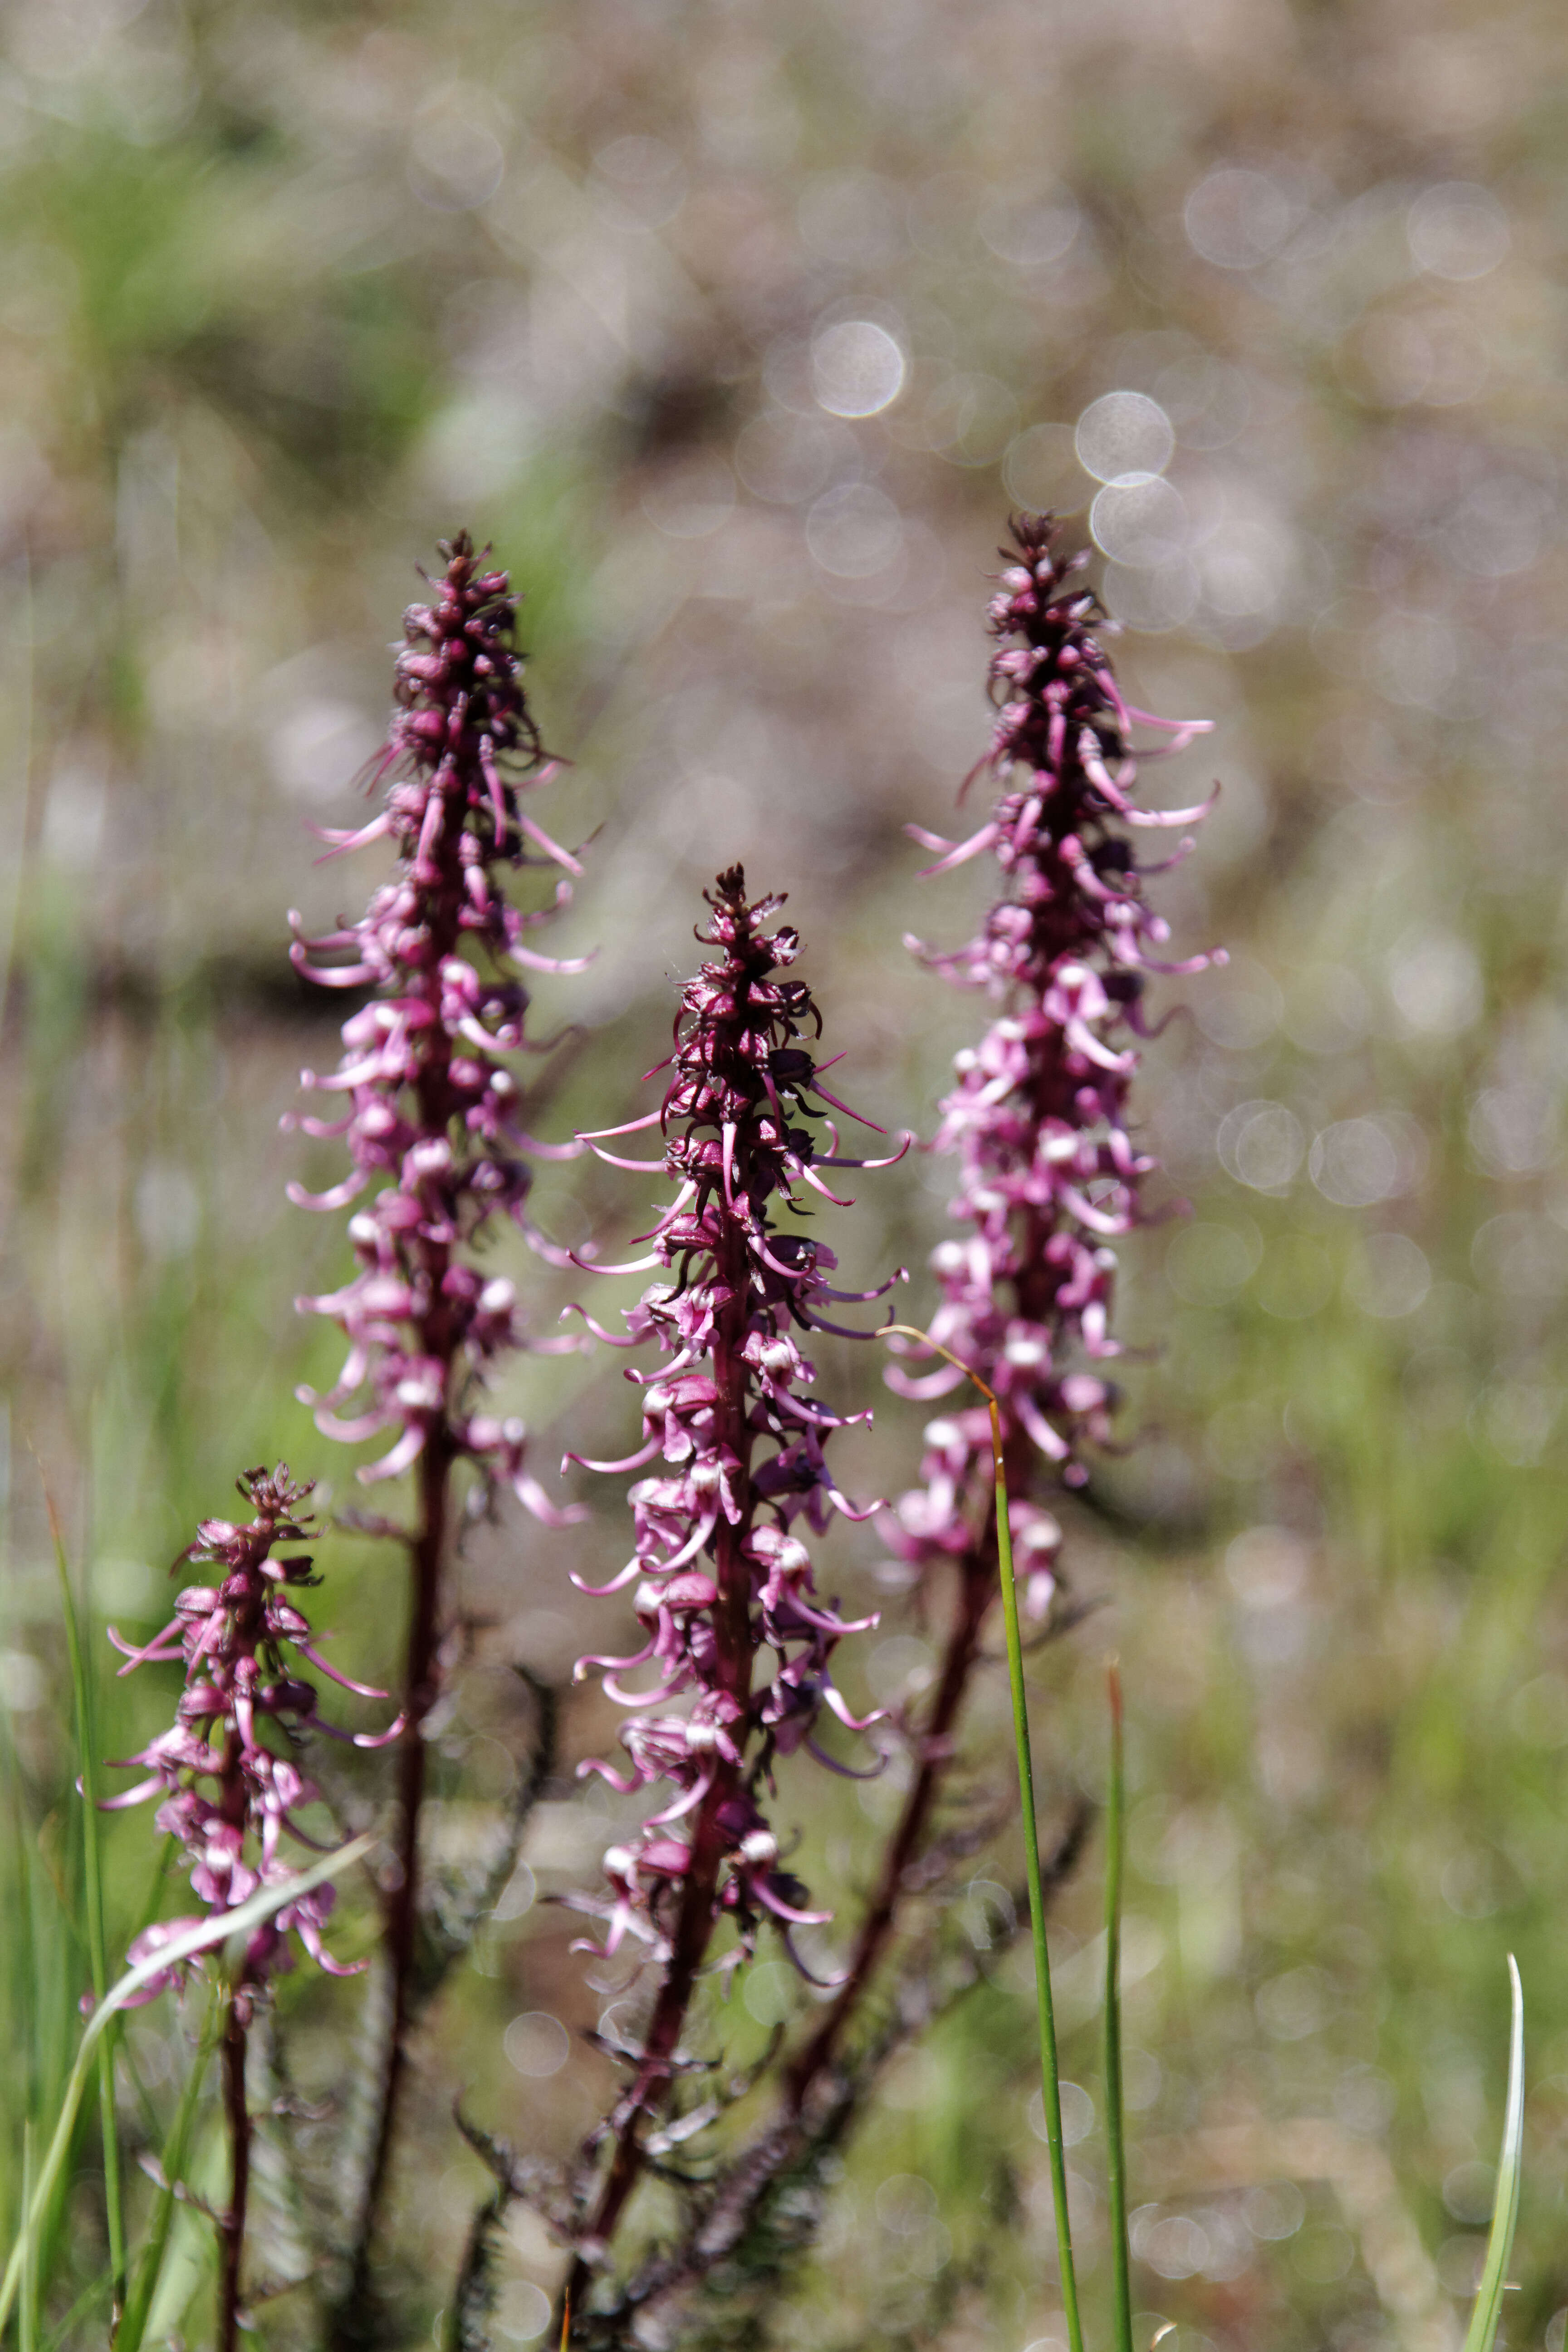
{"points": [[1050, 1176], [229, 1797], [721, 1571], [433, 1113]]}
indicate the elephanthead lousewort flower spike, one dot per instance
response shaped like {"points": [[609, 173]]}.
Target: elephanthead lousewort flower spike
{"points": [[229, 1794], [433, 1112], [1048, 1175], [722, 1572]]}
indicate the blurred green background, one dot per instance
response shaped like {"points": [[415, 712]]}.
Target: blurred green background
{"points": [[738, 328]]}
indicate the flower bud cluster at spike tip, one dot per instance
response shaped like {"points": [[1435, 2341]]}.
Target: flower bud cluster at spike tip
{"points": [[1050, 1176], [432, 1111], [720, 1568], [229, 1796]]}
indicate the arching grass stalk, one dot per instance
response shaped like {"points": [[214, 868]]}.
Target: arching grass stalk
{"points": [[185, 1944], [1050, 2073], [176, 2155]]}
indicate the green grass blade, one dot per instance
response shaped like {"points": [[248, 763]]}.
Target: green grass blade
{"points": [[96, 1943], [201, 1938], [176, 2155], [1482, 2332], [1115, 1818], [27, 2316], [1050, 2071]]}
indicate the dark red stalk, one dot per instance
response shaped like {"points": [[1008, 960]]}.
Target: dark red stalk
{"points": [[402, 1918], [232, 2228]]}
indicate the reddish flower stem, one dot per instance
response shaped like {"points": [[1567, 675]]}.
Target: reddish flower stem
{"points": [[232, 2228], [421, 1684]]}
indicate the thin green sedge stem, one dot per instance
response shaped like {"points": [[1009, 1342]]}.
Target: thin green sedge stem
{"points": [[27, 2314], [1050, 2075], [1115, 1815], [97, 1942]]}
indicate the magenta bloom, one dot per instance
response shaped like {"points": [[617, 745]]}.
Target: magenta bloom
{"points": [[721, 1563], [1050, 1178], [432, 1110], [720, 1567], [229, 1794]]}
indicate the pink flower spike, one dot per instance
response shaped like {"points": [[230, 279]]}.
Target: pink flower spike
{"points": [[725, 1579], [435, 1116], [227, 1792]]}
